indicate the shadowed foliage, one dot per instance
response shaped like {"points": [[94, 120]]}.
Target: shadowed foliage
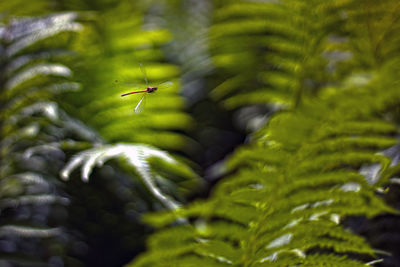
{"points": [[315, 84]]}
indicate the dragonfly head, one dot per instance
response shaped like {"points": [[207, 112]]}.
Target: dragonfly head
{"points": [[151, 89]]}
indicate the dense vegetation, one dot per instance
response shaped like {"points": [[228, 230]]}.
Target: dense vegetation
{"points": [[276, 145]]}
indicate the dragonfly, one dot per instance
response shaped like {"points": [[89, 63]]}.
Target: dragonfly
{"points": [[148, 90]]}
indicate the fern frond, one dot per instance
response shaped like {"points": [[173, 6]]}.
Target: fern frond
{"points": [[34, 70], [114, 63], [280, 48], [136, 156], [292, 188]]}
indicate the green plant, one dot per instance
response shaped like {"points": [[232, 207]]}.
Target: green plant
{"points": [[317, 79], [34, 70], [300, 176], [38, 137]]}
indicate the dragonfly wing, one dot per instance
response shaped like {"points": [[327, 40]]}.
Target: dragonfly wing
{"points": [[144, 73], [140, 105], [124, 87], [165, 85], [140, 86]]}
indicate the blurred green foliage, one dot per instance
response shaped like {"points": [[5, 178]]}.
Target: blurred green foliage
{"points": [[312, 84]]}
